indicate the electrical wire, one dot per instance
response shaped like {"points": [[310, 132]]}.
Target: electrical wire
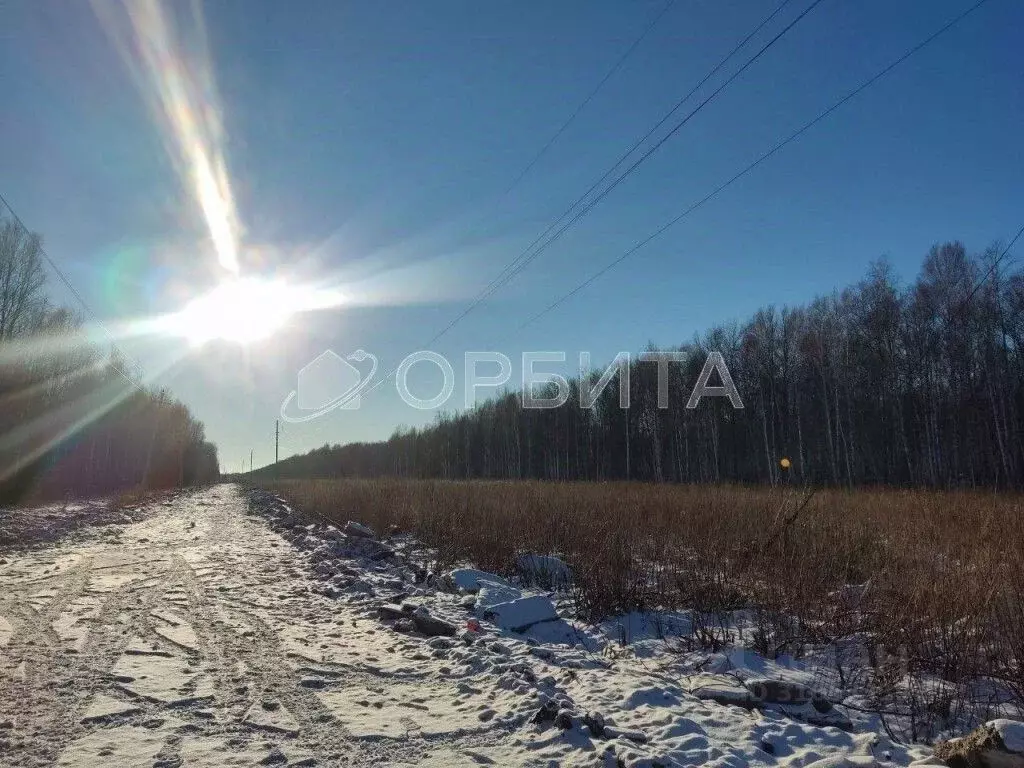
{"points": [[788, 140], [123, 358]]}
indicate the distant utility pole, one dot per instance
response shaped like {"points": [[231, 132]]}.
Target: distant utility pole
{"points": [[277, 438], [250, 459]]}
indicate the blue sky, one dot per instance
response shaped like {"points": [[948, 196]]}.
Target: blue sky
{"points": [[371, 144]]}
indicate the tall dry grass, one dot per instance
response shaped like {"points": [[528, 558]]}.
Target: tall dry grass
{"points": [[945, 590]]}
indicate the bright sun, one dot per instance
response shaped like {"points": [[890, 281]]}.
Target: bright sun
{"points": [[246, 309]]}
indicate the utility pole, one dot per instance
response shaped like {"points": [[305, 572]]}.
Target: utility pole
{"points": [[250, 459], [277, 438]]}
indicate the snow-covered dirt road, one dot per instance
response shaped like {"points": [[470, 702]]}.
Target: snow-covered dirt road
{"points": [[199, 635], [156, 644]]}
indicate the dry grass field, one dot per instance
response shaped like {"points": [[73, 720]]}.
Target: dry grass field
{"points": [[945, 586]]}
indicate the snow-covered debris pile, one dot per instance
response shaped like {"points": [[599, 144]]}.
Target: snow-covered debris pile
{"points": [[499, 602], [350, 563], [493, 657], [996, 744]]}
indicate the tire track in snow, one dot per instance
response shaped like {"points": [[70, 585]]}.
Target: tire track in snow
{"points": [[33, 658], [239, 587]]}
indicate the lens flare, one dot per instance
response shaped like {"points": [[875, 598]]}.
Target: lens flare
{"points": [[245, 310], [179, 87]]}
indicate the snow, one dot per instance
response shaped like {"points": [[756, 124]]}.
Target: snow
{"points": [[1011, 732], [646, 632], [104, 707], [223, 629], [167, 680], [846, 761], [122, 746], [6, 630], [272, 716], [176, 630]]}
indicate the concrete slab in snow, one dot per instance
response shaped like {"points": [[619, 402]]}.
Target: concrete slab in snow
{"points": [[521, 614], [471, 579]]}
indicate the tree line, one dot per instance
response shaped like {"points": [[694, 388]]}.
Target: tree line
{"points": [[73, 421], [880, 383]]}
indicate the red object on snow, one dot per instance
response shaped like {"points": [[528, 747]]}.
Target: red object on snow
{"points": [[473, 625]]}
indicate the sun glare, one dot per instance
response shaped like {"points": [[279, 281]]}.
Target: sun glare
{"points": [[245, 310]]}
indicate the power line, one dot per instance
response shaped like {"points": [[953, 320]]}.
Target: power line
{"points": [[639, 142], [961, 307], [995, 265], [498, 282], [621, 177], [583, 104], [792, 137], [524, 258], [81, 300], [512, 269]]}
